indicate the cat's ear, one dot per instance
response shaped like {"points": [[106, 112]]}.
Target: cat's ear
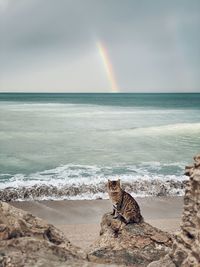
{"points": [[118, 181], [109, 181]]}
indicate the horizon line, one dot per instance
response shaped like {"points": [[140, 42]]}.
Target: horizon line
{"points": [[61, 92]]}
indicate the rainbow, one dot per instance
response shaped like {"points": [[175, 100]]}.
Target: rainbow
{"points": [[108, 67]]}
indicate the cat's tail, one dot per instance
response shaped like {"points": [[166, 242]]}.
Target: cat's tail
{"points": [[140, 219]]}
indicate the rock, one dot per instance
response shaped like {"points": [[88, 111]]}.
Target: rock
{"points": [[132, 244], [26, 240], [164, 262], [186, 245]]}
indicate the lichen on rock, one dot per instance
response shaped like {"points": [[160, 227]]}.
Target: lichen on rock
{"points": [[131, 244], [26, 240], [186, 244]]}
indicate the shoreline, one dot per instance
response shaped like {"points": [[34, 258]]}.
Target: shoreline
{"points": [[161, 187], [80, 220]]}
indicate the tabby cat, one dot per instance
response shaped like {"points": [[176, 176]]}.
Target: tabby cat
{"points": [[125, 206]]}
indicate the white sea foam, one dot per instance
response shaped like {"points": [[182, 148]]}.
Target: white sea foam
{"points": [[88, 182], [182, 128], [90, 175], [36, 136]]}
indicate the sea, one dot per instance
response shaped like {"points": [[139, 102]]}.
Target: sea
{"points": [[67, 145]]}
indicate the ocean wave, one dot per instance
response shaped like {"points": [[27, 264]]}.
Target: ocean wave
{"points": [[89, 182], [49, 192], [81, 109], [182, 128]]}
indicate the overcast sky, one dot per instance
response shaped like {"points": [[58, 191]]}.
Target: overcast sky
{"points": [[49, 45]]}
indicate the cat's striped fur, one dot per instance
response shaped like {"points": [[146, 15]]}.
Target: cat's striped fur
{"points": [[125, 206]]}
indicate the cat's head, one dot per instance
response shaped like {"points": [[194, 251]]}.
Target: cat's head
{"points": [[114, 186]]}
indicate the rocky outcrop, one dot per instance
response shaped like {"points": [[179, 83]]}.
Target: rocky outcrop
{"points": [[186, 245], [132, 244], [29, 241]]}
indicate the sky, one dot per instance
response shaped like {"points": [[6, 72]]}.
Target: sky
{"points": [[99, 46]]}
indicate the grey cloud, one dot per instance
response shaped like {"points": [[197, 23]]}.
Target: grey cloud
{"points": [[45, 23], [147, 40]]}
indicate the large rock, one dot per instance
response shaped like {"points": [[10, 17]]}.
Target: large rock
{"points": [[163, 262], [186, 245], [29, 241], [132, 244]]}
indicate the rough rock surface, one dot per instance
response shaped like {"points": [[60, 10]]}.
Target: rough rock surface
{"points": [[132, 244], [186, 245], [29, 241]]}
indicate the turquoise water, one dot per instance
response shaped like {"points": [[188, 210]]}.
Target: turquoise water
{"points": [[79, 139]]}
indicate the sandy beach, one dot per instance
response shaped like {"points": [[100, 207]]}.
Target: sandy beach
{"points": [[80, 219]]}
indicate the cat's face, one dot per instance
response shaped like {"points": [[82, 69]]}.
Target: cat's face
{"points": [[114, 186]]}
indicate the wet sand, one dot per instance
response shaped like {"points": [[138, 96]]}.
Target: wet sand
{"points": [[80, 219]]}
